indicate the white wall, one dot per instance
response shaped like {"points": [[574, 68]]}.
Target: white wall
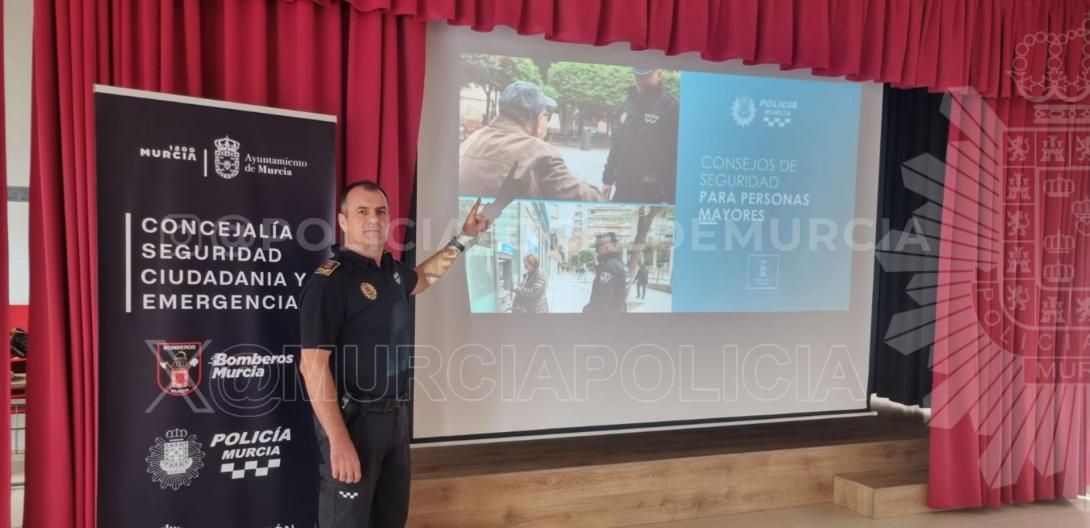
{"points": [[18, 20]]}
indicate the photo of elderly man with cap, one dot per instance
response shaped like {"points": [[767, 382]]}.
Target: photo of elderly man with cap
{"points": [[642, 162], [517, 136], [609, 293]]}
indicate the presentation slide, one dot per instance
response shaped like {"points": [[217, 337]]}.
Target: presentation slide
{"points": [[759, 171], [676, 242]]}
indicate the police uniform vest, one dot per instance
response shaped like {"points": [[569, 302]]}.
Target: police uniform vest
{"points": [[609, 294], [642, 161]]}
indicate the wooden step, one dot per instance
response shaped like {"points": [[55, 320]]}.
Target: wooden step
{"points": [[629, 479], [883, 493]]}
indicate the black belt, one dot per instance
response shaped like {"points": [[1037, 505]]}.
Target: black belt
{"points": [[385, 405]]}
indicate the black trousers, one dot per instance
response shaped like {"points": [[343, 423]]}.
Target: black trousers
{"points": [[381, 498]]}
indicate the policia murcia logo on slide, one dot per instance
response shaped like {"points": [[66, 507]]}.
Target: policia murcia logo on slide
{"points": [[179, 367], [743, 111], [227, 157], [175, 461]]}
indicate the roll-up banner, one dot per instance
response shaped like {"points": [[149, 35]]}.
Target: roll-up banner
{"points": [[210, 217]]}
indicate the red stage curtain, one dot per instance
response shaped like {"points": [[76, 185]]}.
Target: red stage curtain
{"points": [[282, 54], [384, 90], [5, 355], [1012, 361], [937, 44], [369, 71]]}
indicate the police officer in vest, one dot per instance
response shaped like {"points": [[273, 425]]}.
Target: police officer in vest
{"points": [[355, 332], [609, 294], [642, 162]]}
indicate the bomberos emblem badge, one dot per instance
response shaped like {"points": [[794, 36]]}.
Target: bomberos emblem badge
{"points": [[369, 290]]}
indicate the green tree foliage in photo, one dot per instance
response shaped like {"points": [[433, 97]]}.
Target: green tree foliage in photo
{"points": [[595, 91], [493, 73]]}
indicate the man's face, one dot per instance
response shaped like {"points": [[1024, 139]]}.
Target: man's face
{"points": [[643, 82], [365, 218]]}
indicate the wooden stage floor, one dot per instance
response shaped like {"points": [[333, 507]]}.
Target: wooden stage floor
{"points": [[631, 478]]}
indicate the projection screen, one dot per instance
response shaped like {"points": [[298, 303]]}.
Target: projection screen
{"points": [[730, 208]]}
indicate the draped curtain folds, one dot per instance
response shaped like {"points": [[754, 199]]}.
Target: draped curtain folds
{"points": [[1010, 392], [5, 357], [363, 60], [936, 44], [910, 208], [286, 54]]}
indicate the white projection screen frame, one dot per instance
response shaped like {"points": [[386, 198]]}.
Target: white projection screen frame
{"points": [[487, 376]]}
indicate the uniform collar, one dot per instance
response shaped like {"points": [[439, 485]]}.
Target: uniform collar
{"points": [[360, 261]]}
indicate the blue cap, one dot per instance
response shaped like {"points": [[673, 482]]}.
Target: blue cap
{"points": [[526, 97], [642, 71]]}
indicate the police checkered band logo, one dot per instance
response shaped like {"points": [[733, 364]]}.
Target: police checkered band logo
{"points": [[350, 495], [777, 121], [605, 277], [253, 466]]}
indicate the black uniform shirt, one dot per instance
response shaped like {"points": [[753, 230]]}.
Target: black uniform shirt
{"points": [[642, 159], [609, 294], [360, 312]]}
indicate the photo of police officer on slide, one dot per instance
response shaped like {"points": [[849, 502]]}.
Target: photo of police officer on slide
{"points": [[642, 162], [565, 257], [567, 131], [355, 333]]}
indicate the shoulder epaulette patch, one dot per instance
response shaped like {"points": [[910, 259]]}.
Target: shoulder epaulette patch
{"points": [[328, 267]]}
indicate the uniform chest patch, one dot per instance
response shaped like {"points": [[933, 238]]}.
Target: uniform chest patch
{"points": [[605, 277], [369, 290], [650, 118], [397, 277]]}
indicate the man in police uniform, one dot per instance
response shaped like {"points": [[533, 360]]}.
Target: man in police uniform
{"points": [[609, 294], [642, 161], [355, 332]]}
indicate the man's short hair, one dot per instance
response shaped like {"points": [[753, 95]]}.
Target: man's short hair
{"points": [[533, 261], [520, 116], [366, 185]]}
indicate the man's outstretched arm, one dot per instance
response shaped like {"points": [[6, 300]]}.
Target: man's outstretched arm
{"points": [[431, 270]]}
